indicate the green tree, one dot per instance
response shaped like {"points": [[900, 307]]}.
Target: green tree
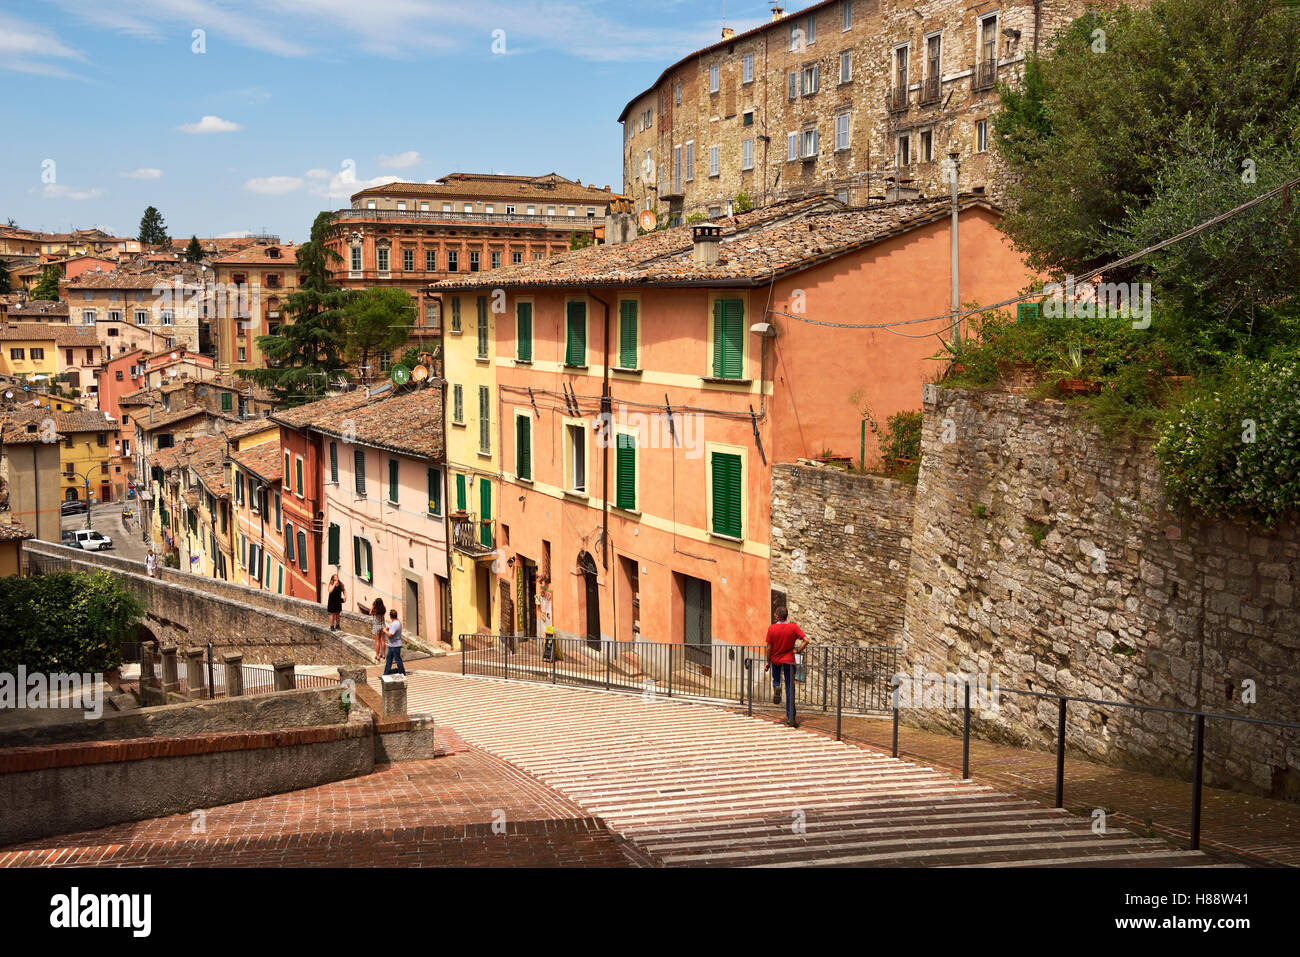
{"points": [[1089, 132], [305, 357], [742, 203], [193, 252], [4, 276], [377, 322], [153, 229], [47, 287], [71, 622]]}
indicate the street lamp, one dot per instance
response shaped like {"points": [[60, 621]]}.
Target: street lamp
{"points": [[85, 477]]}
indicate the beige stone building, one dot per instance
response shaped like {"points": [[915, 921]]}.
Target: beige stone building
{"points": [[253, 284], [853, 98], [149, 309]]}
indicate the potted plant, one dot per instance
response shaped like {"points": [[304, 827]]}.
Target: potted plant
{"points": [[1073, 383]]}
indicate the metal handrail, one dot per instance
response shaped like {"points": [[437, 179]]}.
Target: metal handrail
{"points": [[1198, 743]]}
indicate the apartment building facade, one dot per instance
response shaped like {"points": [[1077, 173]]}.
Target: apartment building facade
{"points": [[255, 477], [149, 309], [859, 99], [252, 284]]}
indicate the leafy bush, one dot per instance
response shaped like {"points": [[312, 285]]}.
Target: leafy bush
{"points": [[1233, 448], [902, 438], [72, 622]]}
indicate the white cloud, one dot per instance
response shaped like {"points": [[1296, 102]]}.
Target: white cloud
{"points": [[274, 185], [59, 191], [344, 183], [317, 174], [144, 172], [237, 234], [210, 124], [401, 160], [27, 48]]}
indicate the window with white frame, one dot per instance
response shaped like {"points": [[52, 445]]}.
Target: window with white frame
{"points": [[747, 154], [714, 77], [381, 255], [575, 458], [842, 130], [713, 161], [846, 66], [747, 68], [88, 317], [981, 136], [846, 17], [690, 161], [809, 79], [356, 259], [809, 143], [791, 147]]}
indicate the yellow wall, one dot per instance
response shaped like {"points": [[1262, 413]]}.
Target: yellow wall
{"points": [[27, 366], [11, 559], [89, 459], [463, 367]]}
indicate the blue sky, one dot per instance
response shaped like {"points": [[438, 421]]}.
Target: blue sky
{"points": [[108, 108]]}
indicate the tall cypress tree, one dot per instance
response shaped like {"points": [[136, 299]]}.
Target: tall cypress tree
{"points": [[153, 229], [193, 252]]}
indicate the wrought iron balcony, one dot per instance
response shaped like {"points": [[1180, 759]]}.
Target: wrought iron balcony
{"points": [[931, 89], [896, 99], [471, 535], [580, 219], [985, 74]]}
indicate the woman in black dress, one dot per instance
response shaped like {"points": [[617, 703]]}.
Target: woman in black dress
{"points": [[335, 601]]}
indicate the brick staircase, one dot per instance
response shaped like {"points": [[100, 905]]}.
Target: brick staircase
{"points": [[693, 785]]}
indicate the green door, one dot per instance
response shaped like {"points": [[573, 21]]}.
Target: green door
{"points": [[485, 512]]}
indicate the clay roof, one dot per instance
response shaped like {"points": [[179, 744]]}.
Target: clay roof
{"points": [[262, 460], [161, 419], [256, 254], [205, 454], [83, 420], [14, 533], [20, 430], [59, 333], [756, 247], [135, 279], [549, 188], [407, 421], [37, 307]]}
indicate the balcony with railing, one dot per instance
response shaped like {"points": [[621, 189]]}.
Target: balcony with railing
{"points": [[984, 75], [896, 99], [474, 537], [931, 88]]}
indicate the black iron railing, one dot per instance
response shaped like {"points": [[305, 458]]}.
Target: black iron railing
{"points": [[931, 88], [717, 671], [896, 100], [984, 74], [472, 535]]}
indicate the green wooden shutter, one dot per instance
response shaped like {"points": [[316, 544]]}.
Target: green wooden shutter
{"points": [[524, 318], [485, 511], [356, 556], [627, 334], [482, 327], [575, 350], [728, 338], [435, 491], [298, 469], [334, 462], [460, 493], [370, 560], [392, 480], [359, 466], [626, 469], [225, 402], [288, 542], [726, 494], [333, 546], [523, 447]]}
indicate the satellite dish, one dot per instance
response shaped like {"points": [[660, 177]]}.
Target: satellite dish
{"points": [[420, 373], [401, 375], [9, 395], [172, 373], [175, 356], [648, 220]]}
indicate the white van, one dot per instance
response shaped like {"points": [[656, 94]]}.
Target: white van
{"points": [[90, 540]]}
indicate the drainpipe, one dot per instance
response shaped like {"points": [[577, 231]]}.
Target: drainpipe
{"points": [[606, 415], [446, 486]]}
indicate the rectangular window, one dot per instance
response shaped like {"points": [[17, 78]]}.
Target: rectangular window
{"points": [[747, 154], [359, 472], [810, 79], [334, 462], [747, 68], [392, 480], [239, 488], [577, 464], [792, 85], [484, 419], [524, 331], [496, 259], [575, 345], [288, 542], [455, 313], [356, 259], [927, 146], [809, 143], [677, 95], [524, 447], [713, 78], [726, 470], [408, 260], [88, 317], [287, 484], [713, 160], [981, 136], [277, 511], [846, 66], [332, 556], [690, 161], [747, 118], [473, 260], [900, 68], [435, 492], [460, 493], [114, 315], [728, 338], [302, 549], [627, 334], [481, 304], [625, 467], [227, 402], [458, 404], [846, 22], [362, 559], [453, 260], [298, 473], [811, 27], [516, 257], [141, 317], [842, 131], [430, 260], [792, 147], [17, 353], [382, 256], [904, 150]]}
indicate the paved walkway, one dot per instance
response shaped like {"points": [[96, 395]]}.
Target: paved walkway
{"points": [[690, 784]]}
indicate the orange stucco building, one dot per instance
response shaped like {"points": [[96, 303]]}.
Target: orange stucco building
{"points": [[644, 390]]}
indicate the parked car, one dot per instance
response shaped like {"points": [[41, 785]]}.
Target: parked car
{"points": [[91, 540], [74, 507]]}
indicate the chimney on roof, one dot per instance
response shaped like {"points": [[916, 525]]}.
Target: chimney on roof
{"points": [[708, 242], [728, 33], [777, 12]]}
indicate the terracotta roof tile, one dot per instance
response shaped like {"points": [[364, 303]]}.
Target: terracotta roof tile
{"points": [[549, 188], [262, 460], [407, 421]]}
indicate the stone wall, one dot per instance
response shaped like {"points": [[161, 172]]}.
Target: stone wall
{"points": [[1046, 555], [840, 552], [190, 610]]}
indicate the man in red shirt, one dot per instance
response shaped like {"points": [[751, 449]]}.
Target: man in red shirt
{"points": [[782, 637]]}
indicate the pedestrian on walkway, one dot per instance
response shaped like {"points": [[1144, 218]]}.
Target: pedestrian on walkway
{"points": [[394, 633], [377, 613], [151, 564], [782, 638], [337, 595]]}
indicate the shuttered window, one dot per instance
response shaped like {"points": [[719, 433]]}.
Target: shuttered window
{"points": [[302, 549], [484, 419], [298, 469], [225, 402], [458, 404], [435, 492], [728, 338], [333, 553], [575, 348], [627, 334], [288, 542], [361, 558], [726, 476], [626, 472], [334, 462], [485, 511], [524, 334], [392, 480], [359, 468], [523, 447], [482, 304], [460, 493]]}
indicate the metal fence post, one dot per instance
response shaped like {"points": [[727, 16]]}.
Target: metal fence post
{"points": [[895, 725], [965, 737], [606, 647], [555, 653], [839, 700], [1198, 780], [825, 676], [1060, 754], [212, 684], [670, 671], [749, 685], [462, 656], [505, 656]]}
